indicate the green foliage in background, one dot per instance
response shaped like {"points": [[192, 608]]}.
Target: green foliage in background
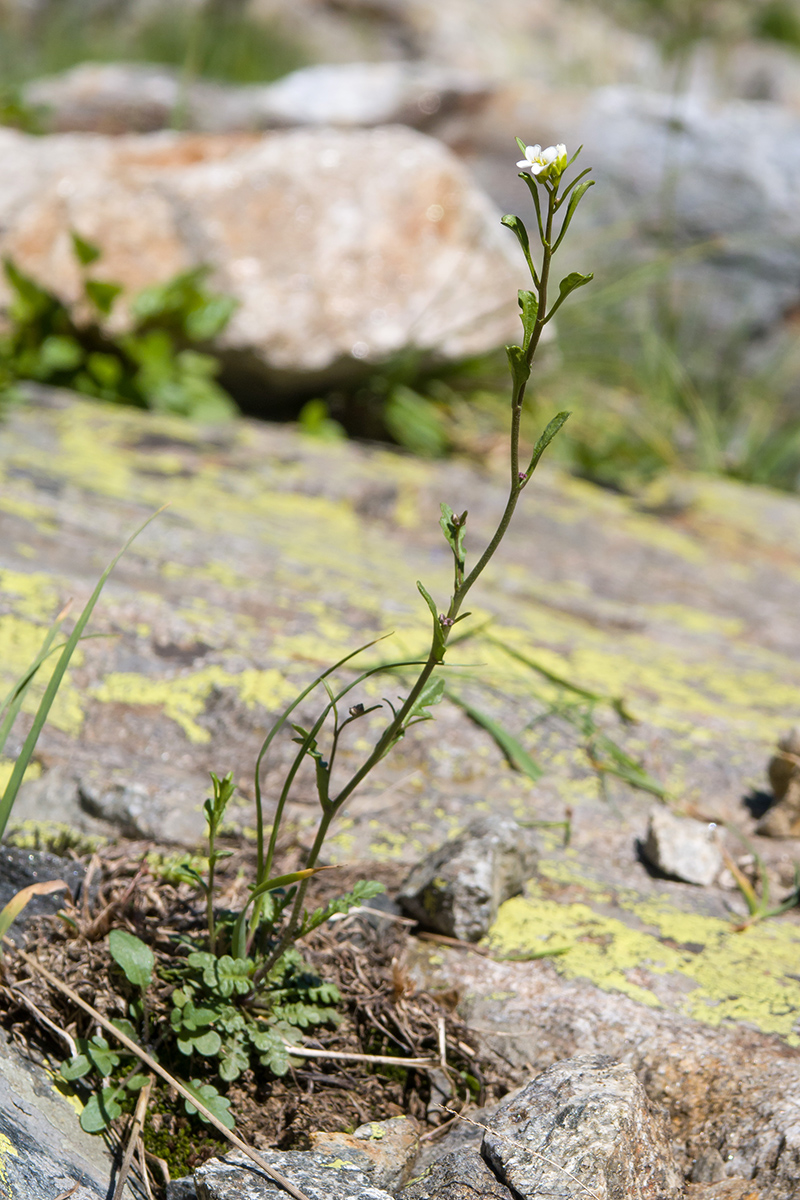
{"points": [[678, 24], [652, 392], [153, 365], [215, 38]]}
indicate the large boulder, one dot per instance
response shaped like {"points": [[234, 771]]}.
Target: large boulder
{"points": [[344, 248], [717, 184], [584, 1125]]}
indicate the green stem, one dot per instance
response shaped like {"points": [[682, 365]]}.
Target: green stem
{"points": [[461, 589]]}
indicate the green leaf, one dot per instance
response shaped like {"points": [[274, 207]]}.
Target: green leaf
{"points": [[24, 757], [101, 294], [365, 889], [519, 366], [100, 1055], [518, 228], [100, 1111], [205, 322], [529, 308], [544, 441], [136, 959], [438, 635], [58, 353], [227, 975], [85, 252], [574, 200], [107, 369], [75, 1068], [233, 1060], [207, 1042], [430, 695], [135, 1083], [273, 1053], [514, 751], [568, 284], [208, 1095]]}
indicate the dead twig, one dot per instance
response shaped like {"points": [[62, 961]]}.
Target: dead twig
{"points": [[344, 1056], [18, 994], [133, 1138]]}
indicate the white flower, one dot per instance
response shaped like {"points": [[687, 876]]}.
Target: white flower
{"points": [[545, 164]]}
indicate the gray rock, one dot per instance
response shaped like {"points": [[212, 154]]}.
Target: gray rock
{"points": [[386, 245], [43, 1149], [682, 848], [181, 1189], [585, 1123], [673, 166], [54, 799], [459, 1175], [116, 98], [320, 1176], [21, 868], [708, 1168], [384, 1150], [457, 889]]}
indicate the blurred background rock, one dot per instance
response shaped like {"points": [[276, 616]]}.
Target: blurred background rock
{"points": [[684, 353]]}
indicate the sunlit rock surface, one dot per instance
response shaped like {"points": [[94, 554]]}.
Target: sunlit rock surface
{"points": [[279, 554]]}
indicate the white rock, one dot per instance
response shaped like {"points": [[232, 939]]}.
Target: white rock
{"points": [[682, 847], [343, 247]]}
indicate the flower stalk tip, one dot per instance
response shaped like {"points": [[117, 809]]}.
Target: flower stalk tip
{"points": [[544, 165]]}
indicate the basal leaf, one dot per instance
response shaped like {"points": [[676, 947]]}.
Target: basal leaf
{"points": [[136, 959], [208, 1095], [233, 1060], [100, 1111]]}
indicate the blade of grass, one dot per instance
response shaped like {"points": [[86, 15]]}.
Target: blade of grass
{"points": [[13, 701], [514, 751], [42, 713]]}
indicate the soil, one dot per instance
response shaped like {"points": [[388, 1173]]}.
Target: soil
{"points": [[363, 954]]}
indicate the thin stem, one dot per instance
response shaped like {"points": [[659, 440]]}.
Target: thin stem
{"points": [[462, 586]]}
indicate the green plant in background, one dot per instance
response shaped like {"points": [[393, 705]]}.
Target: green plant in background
{"points": [[153, 365], [216, 38]]}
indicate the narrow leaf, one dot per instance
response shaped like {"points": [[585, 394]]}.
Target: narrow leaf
{"points": [[13, 700], [85, 252], [25, 755], [516, 225], [514, 751], [544, 441], [574, 201], [529, 307], [18, 902], [569, 284], [519, 366]]}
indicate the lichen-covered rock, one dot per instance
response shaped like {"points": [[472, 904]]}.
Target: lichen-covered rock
{"points": [[459, 1175], [43, 1150], [458, 888], [584, 1124], [384, 1150], [782, 820], [682, 848], [342, 250], [320, 1176]]}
